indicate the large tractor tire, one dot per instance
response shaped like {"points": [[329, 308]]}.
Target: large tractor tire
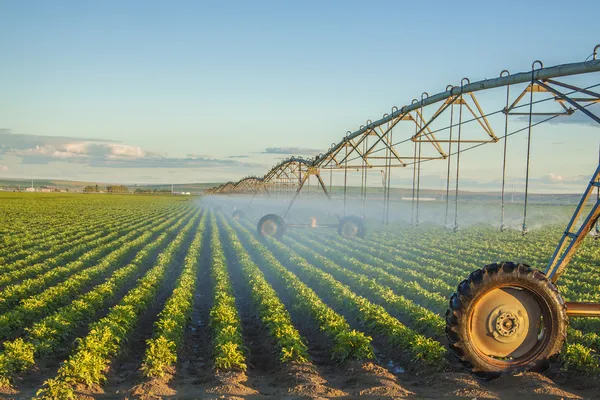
{"points": [[237, 215], [271, 225], [351, 226], [505, 318]]}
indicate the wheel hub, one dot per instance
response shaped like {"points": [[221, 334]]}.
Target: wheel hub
{"points": [[269, 228], [349, 230], [506, 323]]}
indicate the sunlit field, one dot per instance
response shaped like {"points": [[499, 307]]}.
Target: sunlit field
{"points": [[158, 295]]}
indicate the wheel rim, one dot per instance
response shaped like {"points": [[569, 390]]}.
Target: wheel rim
{"points": [[507, 326], [269, 228], [349, 230]]}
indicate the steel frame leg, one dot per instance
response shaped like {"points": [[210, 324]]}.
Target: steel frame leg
{"points": [[570, 241]]}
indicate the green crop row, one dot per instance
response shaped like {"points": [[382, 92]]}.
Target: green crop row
{"points": [[162, 348], [418, 317], [88, 364], [43, 337], [76, 249], [439, 276], [347, 344], [409, 289], [27, 221], [13, 248], [14, 293], [268, 306], [65, 231], [394, 261], [374, 316], [32, 250], [581, 350], [56, 296], [228, 352]]}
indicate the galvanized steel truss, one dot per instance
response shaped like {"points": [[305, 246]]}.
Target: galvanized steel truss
{"points": [[440, 136]]}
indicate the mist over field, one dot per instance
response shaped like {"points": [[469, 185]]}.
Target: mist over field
{"points": [[430, 213]]}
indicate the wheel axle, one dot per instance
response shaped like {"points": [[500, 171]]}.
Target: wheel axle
{"points": [[576, 309]]}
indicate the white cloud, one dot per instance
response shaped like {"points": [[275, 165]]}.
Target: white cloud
{"points": [[79, 148], [123, 150], [43, 150], [3, 168], [555, 178], [48, 152]]}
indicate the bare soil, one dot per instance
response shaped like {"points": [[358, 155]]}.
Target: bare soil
{"points": [[352, 381]]}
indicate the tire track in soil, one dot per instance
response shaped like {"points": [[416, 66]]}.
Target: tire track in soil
{"points": [[125, 371], [48, 365]]}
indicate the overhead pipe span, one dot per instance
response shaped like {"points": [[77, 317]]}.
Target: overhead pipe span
{"points": [[541, 74], [521, 77]]}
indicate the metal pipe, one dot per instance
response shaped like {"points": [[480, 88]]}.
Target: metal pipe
{"points": [[521, 77], [576, 309]]}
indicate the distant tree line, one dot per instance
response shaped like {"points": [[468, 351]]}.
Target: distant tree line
{"points": [[117, 189], [109, 189], [91, 189]]}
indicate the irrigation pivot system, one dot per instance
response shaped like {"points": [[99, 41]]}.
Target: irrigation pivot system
{"points": [[504, 316]]}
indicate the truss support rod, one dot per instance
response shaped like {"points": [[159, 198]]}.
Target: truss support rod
{"points": [[296, 194], [574, 88], [570, 101], [252, 199], [434, 117], [323, 186]]}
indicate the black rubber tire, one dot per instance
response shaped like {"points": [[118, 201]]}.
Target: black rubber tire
{"points": [[494, 276], [279, 222], [352, 219], [238, 214]]}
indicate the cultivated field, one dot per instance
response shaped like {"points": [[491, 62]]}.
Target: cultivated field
{"points": [[146, 297]]}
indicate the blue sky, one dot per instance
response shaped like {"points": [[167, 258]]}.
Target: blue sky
{"points": [[126, 91]]}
